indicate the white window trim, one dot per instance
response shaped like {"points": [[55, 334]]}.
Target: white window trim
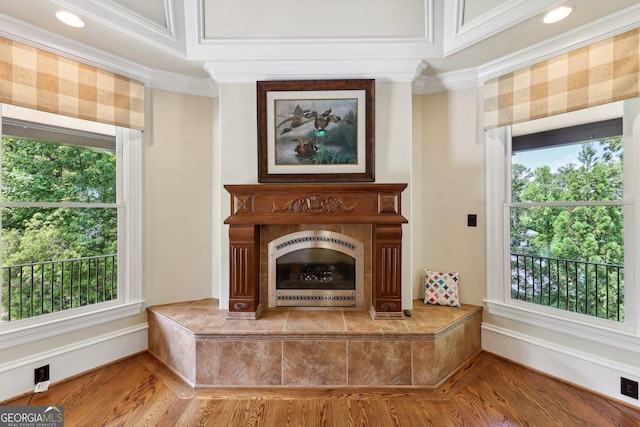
{"points": [[621, 335], [129, 301]]}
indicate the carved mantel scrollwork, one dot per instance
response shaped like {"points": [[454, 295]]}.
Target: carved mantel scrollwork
{"points": [[315, 204]]}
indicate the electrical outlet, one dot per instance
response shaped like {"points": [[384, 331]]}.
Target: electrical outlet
{"points": [[629, 387], [41, 374]]}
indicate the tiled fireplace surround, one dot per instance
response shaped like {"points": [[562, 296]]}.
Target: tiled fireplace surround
{"points": [[210, 347]]}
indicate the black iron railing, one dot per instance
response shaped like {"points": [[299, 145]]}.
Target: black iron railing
{"points": [[34, 289], [594, 289]]}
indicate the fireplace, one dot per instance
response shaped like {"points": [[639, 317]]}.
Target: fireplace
{"points": [[315, 268], [258, 210]]}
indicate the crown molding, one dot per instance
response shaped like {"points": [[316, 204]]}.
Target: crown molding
{"points": [[194, 12], [252, 71], [442, 82], [175, 82], [169, 38], [429, 21], [306, 49], [459, 35]]}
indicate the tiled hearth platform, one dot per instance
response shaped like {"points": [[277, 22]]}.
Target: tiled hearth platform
{"points": [[313, 347]]}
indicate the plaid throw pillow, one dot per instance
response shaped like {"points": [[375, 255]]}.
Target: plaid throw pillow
{"points": [[441, 288]]}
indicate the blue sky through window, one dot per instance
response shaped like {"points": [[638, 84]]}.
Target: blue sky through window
{"points": [[554, 157]]}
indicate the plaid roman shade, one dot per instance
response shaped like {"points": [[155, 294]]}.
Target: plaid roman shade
{"points": [[40, 80], [603, 72]]}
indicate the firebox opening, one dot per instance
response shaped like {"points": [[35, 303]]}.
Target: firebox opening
{"points": [[316, 268]]}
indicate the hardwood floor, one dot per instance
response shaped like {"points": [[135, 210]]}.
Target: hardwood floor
{"points": [[488, 391]]}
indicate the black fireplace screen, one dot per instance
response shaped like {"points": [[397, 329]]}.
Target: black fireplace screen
{"points": [[316, 268]]}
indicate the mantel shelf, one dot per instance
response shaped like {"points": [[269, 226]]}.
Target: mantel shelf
{"points": [[316, 204]]}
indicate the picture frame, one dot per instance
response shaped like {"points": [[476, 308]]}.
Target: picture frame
{"points": [[316, 131]]}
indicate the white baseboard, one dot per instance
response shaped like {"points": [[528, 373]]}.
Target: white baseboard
{"points": [[17, 377], [593, 373]]}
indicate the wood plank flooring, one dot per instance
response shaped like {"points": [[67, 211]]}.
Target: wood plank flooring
{"points": [[488, 391]]}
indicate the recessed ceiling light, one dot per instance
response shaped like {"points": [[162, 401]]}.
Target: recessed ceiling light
{"points": [[557, 14], [70, 18]]}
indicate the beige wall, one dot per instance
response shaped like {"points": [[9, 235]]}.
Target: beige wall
{"points": [[177, 198], [453, 183]]}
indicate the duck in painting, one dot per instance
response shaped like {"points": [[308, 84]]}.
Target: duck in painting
{"points": [[297, 119], [307, 149], [322, 120], [338, 119], [325, 118]]}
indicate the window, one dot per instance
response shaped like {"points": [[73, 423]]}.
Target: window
{"points": [[561, 202], [70, 227], [566, 220]]}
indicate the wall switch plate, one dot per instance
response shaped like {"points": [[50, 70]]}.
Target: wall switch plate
{"points": [[472, 220], [629, 387]]}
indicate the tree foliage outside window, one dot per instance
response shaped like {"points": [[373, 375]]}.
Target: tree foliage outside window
{"points": [[58, 205], [566, 251]]}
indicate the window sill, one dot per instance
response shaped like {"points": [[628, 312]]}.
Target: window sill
{"points": [[29, 330], [624, 336]]}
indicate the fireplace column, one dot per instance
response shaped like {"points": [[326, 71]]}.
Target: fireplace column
{"points": [[386, 298], [244, 272]]}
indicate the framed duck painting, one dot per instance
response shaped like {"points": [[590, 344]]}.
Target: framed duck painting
{"points": [[316, 131]]}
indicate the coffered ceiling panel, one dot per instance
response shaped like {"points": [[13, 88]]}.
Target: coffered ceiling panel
{"points": [[464, 31], [278, 19], [473, 9], [153, 10]]}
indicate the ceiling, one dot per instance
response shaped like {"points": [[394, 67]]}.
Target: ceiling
{"points": [[191, 45]]}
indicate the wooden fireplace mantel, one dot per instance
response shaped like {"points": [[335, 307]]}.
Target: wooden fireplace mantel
{"points": [[254, 205]]}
